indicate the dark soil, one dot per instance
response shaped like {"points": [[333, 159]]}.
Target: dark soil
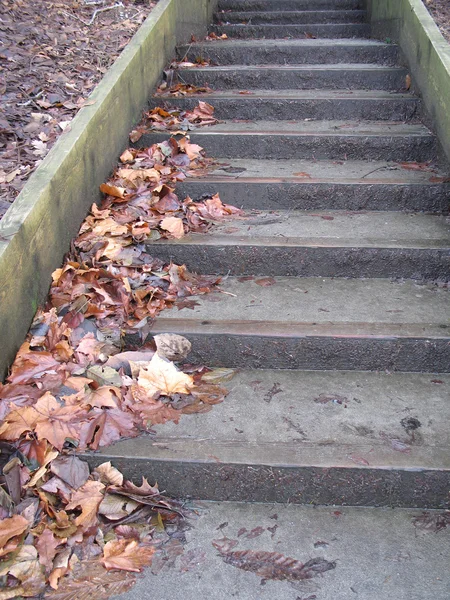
{"points": [[52, 54], [440, 11]]}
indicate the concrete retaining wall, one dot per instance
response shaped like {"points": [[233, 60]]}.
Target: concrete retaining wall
{"points": [[37, 229], [408, 23]]}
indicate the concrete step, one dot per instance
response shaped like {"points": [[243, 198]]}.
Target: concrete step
{"points": [[322, 185], [298, 77], [290, 17], [337, 140], [307, 104], [275, 31], [284, 52], [301, 436], [277, 5], [379, 555], [314, 323], [328, 244]]}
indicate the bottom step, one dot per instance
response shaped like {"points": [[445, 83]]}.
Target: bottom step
{"points": [[306, 437], [378, 555]]}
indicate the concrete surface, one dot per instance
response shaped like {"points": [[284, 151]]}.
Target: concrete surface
{"points": [[275, 31], [348, 185], [306, 104], [379, 555], [286, 16], [280, 52], [291, 300], [337, 140], [331, 244], [306, 437], [425, 50], [298, 77]]}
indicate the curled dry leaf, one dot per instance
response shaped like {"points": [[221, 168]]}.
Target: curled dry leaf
{"points": [[172, 346], [109, 475]]}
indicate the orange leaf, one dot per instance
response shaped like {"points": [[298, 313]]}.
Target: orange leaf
{"points": [[126, 555], [174, 226], [11, 527], [55, 423], [17, 422], [88, 498], [113, 190]]}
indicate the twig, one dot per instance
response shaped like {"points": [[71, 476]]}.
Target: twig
{"points": [[378, 169], [99, 10]]}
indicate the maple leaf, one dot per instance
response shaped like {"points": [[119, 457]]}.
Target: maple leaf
{"points": [[17, 422], [126, 555], [30, 365], [55, 423], [107, 427], [10, 528], [162, 377], [105, 396], [88, 498], [113, 190]]}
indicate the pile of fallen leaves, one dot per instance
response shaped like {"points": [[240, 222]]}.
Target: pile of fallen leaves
{"points": [[69, 528], [52, 55], [73, 387]]}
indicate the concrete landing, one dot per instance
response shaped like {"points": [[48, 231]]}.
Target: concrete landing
{"points": [[379, 554]]}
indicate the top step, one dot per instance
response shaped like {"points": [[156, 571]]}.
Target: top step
{"points": [[272, 5]]}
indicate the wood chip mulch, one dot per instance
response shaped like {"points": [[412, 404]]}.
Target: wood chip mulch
{"points": [[52, 55], [440, 11]]}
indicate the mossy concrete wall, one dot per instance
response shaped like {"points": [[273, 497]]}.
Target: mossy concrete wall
{"points": [[36, 231], [409, 23]]}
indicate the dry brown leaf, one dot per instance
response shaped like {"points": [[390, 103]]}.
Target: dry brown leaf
{"points": [[71, 469], [87, 498], [11, 527], [126, 555], [93, 582], [55, 423], [17, 422], [113, 190], [174, 226], [46, 545]]}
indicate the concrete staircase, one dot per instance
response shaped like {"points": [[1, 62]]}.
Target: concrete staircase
{"points": [[334, 311]]}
